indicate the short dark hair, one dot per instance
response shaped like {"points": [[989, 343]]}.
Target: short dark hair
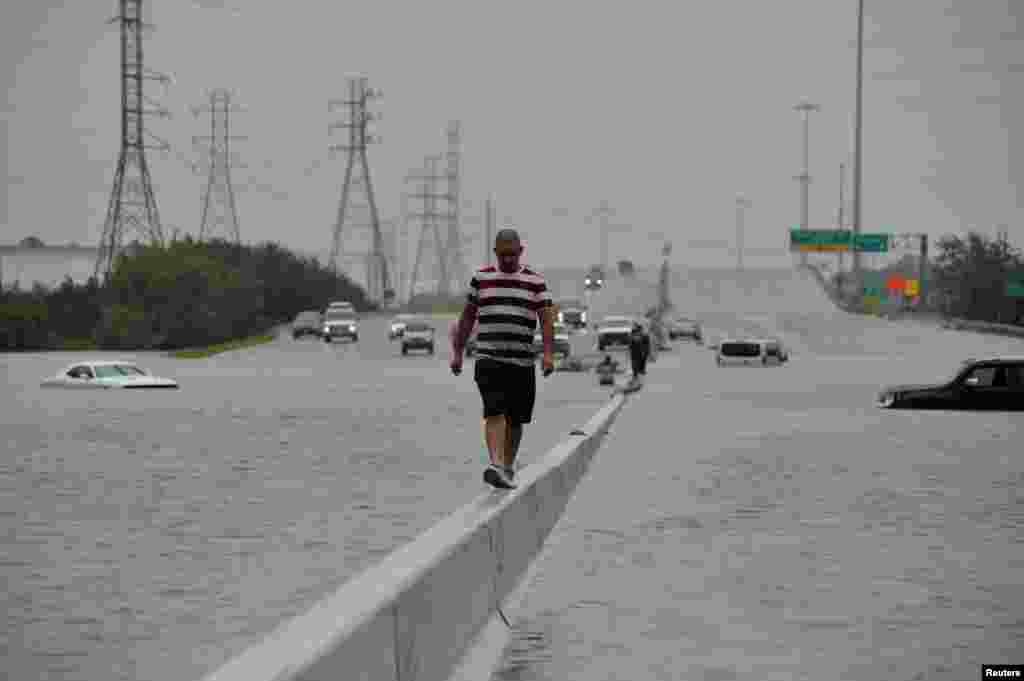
{"points": [[506, 235]]}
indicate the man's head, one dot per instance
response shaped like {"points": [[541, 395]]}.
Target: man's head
{"points": [[507, 249]]}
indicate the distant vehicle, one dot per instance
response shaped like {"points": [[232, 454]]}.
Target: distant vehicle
{"points": [[594, 279], [572, 313], [418, 335], [342, 305], [106, 374], [749, 351], [562, 345], [307, 323], [614, 330], [990, 384], [398, 325], [683, 327], [340, 324]]}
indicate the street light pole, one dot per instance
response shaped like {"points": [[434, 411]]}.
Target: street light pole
{"points": [[742, 203], [857, 155], [805, 108]]}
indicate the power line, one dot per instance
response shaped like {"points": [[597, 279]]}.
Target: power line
{"points": [[132, 200], [378, 284], [430, 219], [218, 185]]}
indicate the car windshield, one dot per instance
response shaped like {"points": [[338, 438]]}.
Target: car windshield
{"points": [[339, 316], [570, 305], [740, 349], [417, 326], [117, 371]]}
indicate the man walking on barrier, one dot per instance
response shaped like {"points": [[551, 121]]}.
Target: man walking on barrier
{"points": [[507, 300], [639, 350]]}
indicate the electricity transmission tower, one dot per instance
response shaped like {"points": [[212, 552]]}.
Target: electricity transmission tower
{"points": [[378, 284], [603, 212], [455, 268], [430, 221], [132, 201], [219, 190]]}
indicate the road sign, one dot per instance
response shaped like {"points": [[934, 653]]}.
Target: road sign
{"points": [[1015, 288], [819, 240], [872, 243]]}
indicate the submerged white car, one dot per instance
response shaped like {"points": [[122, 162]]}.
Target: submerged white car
{"points": [[106, 374]]}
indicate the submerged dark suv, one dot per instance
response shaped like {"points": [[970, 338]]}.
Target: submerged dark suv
{"points": [[990, 384]]}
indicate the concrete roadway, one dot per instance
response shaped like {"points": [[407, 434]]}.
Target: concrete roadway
{"points": [[770, 523]]}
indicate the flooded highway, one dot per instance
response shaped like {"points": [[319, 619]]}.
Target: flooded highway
{"points": [[150, 536], [773, 524]]}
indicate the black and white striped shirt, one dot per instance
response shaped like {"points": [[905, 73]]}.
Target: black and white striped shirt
{"points": [[509, 306]]}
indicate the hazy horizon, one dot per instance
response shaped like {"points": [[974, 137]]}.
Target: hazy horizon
{"points": [[665, 113]]}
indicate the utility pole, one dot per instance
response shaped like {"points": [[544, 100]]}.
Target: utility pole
{"points": [[219, 179], [602, 213], [430, 220], [742, 203], [455, 267], [805, 108], [132, 200], [858, 160], [841, 219], [489, 229], [378, 285]]}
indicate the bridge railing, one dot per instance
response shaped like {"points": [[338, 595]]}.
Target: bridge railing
{"points": [[413, 616]]}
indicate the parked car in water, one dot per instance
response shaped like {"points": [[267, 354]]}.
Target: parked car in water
{"points": [[749, 351], [614, 330], [562, 345], [307, 323], [339, 323], [989, 384], [398, 325], [105, 374], [418, 335], [684, 327]]}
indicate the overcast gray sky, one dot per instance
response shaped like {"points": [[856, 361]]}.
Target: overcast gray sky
{"points": [[665, 109]]}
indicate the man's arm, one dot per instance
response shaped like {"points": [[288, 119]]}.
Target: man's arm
{"points": [[464, 328], [547, 328]]}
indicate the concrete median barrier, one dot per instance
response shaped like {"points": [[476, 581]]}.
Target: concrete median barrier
{"points": [[416, 613]]}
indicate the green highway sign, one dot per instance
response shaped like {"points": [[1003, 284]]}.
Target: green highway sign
{"points": [[872, 243], [833, 240], [819, 240], [1015, 289]]}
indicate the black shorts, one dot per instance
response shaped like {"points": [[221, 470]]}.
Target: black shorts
{"points": [[506, 389]]}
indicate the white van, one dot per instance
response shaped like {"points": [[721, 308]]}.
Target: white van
{"points": [[750, 351]]}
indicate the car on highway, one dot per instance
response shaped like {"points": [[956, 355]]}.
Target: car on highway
{"points": [[342, 305], [398, 325], [418, 335], [106, 374], [614, 331], [572, 313], [562, 345], [750, 351], [594, 279], [684, 327], [339, 323], [987, 384], [307, 323]]}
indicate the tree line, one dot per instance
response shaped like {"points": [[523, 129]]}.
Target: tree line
{"points": [[182, 294], [968, 278]]}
